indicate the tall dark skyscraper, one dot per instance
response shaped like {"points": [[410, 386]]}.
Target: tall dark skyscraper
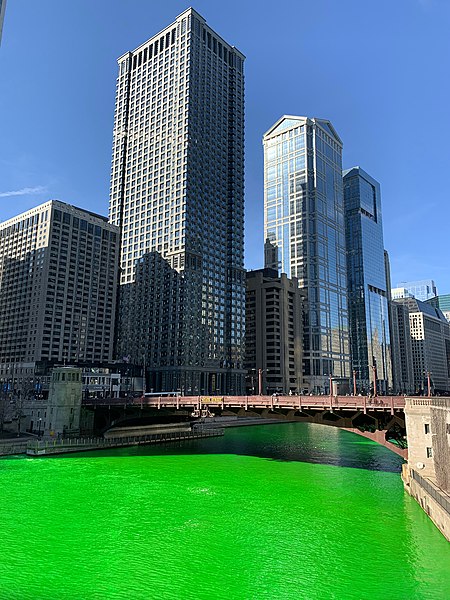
{"points": [[177, 193], [305, 236], [367, 286]]}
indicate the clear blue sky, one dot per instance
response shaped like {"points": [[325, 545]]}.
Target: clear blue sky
{"points": [[378, 69]]}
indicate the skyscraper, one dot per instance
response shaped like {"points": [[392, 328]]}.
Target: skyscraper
{"points": [[368, 296], [304, 220], [58, 282], [177, 193]]}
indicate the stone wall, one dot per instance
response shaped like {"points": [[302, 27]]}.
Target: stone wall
{"points": [[432, 500], [440, 427]]}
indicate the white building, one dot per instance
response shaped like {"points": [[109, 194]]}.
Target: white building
{"points": [[430, 346]]}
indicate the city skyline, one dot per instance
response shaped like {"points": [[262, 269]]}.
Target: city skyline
{"points": [[47, 153]]}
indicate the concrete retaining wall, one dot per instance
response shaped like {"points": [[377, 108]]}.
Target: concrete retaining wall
{"points": [[434, 507]]}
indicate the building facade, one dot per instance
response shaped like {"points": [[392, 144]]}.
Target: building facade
{"points": [[430, 346], [422, 290], [401, 292], [401, 346], [427, 474], [304, 220], [368, 307], [58, 281], [273, 338], [443, 303], [177, 193]]}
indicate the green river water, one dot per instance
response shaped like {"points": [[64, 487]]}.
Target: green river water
{"points": [[291, 511]]}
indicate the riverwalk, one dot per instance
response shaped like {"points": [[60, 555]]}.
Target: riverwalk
{"points": [[65, 446]]}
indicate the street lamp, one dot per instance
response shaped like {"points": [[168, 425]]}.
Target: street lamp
{"points": [[354, 382], [260, 372], [374, 369], [39, 430]]}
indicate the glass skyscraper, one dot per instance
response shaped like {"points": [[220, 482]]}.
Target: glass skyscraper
{"points": [[304, 225], [367, 286], [422, 290], [177, 193]]}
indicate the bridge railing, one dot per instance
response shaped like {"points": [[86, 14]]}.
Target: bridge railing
{"points": [[290, 402], [439, 402], [430, 489]]}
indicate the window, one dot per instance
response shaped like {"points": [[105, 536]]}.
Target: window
{"points": [[427, 428], [429, 452]]}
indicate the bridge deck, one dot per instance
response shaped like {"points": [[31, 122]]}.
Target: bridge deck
{"points": [[363, 403]]}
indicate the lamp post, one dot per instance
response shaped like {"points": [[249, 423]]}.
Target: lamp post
{"points": [[39, 429], [354, 382], [331, 384], [260, 372], [374, 369], [429, 383]]}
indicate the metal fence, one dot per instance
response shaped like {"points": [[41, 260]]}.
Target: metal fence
{"points": [[10, 449], [98, 442], [432, 491]]}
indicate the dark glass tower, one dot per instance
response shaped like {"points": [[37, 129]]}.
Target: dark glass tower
{"points": [[177, 193], [367, 287]]}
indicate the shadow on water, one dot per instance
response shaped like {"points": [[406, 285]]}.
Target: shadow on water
{"points": [[300, 442]]}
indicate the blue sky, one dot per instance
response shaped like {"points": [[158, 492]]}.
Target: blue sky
{"points": [[378, 69]]}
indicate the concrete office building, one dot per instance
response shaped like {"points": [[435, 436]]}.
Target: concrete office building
{"points": [[273, 338], [368, 298], [177, 193], [304, 220], [422, 290], [430, 345], [401, 347], [58, 278]]}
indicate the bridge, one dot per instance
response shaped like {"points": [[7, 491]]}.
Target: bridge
{"points": [[379, 418]]}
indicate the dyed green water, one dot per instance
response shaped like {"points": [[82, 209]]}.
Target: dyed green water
{"points": [[271, 512]]}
